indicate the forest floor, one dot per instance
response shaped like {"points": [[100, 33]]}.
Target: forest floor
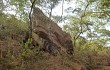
{"points": [[41, 61]]}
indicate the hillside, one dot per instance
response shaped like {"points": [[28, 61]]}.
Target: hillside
{"points": [[19, 53]]}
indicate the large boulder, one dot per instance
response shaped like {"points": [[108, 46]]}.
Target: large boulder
{"points": [[52, 35]]}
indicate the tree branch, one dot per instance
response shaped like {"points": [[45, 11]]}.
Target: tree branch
{"points": [[30, 17]]}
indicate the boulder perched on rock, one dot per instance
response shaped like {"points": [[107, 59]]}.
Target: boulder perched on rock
{"points": [[53, 37]]}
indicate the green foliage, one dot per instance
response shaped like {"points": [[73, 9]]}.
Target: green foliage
{"points": [[104, 4], [27, 53], [92, 54], [11, 26], [105, 32], [21, 6]]}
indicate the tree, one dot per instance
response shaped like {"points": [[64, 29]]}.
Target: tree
{"points": [[89, 20], [1, 6]]}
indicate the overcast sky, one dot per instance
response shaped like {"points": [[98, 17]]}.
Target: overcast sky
{"points": [[58, 9]]}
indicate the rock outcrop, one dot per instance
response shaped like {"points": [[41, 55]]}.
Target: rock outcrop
{"points": [[53, 37]]}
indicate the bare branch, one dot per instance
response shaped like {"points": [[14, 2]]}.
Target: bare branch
{"points": [[30, 17]]}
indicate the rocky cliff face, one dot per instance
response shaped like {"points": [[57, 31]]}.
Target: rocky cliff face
{"points": [[53, 37]]}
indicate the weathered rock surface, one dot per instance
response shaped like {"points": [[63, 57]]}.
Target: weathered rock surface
{"points": [[52, 35]]}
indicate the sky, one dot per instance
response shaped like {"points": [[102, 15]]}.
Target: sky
{"points": [[58, 9]]}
